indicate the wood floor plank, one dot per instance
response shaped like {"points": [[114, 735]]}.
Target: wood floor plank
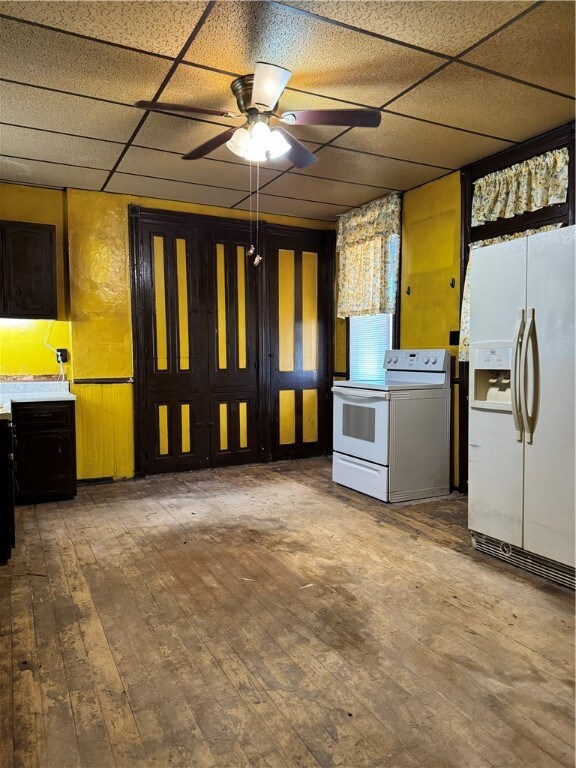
{"points": [[123, 733], [262, 617], [6, 700], [29, 735]]}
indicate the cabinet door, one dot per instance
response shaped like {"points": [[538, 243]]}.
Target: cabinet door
{"points": [[29, 267], [45, 465]]}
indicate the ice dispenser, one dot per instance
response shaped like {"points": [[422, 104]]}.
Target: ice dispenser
{"points": [[491, 382]]}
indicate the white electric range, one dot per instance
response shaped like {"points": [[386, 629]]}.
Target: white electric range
{"points": [[392, 438]]}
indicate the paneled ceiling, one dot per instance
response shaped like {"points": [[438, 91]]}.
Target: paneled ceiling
{"points": [[455, 81]]}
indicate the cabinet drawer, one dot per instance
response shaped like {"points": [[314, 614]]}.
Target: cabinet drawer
{"points": [[38, 415]]}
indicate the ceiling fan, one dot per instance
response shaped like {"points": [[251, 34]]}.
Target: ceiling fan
{"points": [[257, 97]]}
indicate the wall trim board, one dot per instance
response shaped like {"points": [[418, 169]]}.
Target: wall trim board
{"points": [[128, 380], [167, 216], [100, 480]]}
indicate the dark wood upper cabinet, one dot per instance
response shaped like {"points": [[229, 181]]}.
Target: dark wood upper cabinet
{"points": [[27, 270]]}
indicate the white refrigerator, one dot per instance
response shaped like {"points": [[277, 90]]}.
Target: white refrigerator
{"points": [[521, 410]]}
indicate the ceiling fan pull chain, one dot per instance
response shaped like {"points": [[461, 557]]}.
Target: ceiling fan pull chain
{"points": [[257, 258], [251, 249]]}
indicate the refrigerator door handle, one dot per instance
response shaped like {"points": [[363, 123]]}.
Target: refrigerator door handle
{"points": [[526, 342], [514, 394]]}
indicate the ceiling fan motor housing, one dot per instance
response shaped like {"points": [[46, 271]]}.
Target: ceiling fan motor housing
{"points": [[242, 90]]}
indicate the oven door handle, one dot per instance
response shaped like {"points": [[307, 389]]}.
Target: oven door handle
{"points": [[358, 395]]}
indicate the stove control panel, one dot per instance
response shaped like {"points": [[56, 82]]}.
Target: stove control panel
{"points": [[417, 360]]}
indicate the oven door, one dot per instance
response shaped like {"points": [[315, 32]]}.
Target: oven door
{"points": [[361, 419]]}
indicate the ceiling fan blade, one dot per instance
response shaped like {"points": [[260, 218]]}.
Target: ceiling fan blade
{"points": [[269, 83], [210, 145], [366, 118], [298, 154], [162, 106]]}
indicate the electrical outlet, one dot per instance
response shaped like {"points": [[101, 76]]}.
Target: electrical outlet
{"points": [[62, 355]]}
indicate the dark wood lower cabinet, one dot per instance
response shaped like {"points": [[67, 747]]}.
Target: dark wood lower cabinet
{"points": [[45, 451], [7, 527]]}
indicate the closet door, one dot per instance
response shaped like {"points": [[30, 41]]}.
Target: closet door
{"points": [[231, 358], [232, 307], [173, 417], [300, 280]]}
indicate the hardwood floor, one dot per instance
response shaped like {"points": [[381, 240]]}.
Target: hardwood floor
{"points": [[262, 616]]}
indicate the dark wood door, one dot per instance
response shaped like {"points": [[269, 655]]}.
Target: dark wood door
{"points": [[196, 304], [233, 354], [175, 425], [29, 270], [231, 359], [300, 275]]}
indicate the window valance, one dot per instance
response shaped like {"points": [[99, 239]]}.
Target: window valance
{"points": [[368, 247], [527, 186]]}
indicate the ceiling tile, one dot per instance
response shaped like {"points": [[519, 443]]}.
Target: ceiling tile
{"points": [[163, 165], [173, 190], [35, 107], [407, 139], [150, 26], [538, 48], [382, 172], [56, 148], [323, 190], [475, 100], [286, 206], [177, 134], [56, 60], [446, 27], [50, 174], [201, 88], [325, 59]]}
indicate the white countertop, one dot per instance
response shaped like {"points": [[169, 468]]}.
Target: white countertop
{"points": [[31, 392]]}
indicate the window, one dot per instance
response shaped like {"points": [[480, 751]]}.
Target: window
{"points": [[370, 337]]}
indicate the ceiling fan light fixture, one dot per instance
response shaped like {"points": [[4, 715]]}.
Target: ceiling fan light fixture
{"points": [[239, 142], [269, 83], [277, 145], [258, 143], [255, 153]]}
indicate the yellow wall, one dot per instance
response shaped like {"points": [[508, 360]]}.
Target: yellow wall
{"points": [[22, 348], [430, 260], [104, 430], [92, 243]]}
